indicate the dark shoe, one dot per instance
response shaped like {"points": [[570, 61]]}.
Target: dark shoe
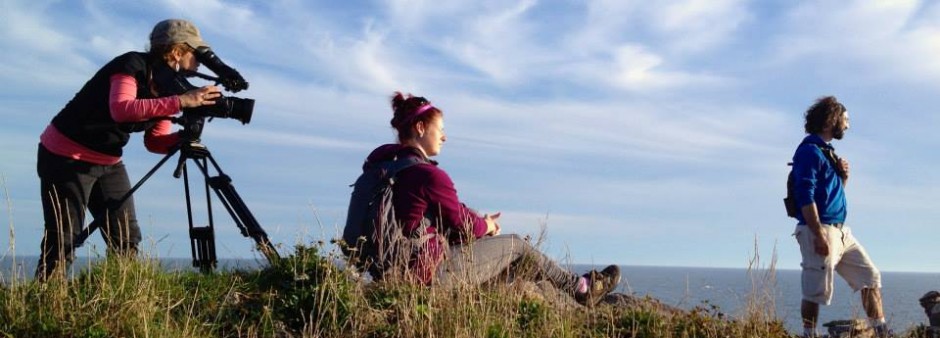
{"points": [[882, 331], [599, 285]]}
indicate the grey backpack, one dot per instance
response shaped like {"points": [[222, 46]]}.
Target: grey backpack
{"points": [[373, 241]]}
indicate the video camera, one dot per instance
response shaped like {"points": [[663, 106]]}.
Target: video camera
{"points": [[225, 107], [228, 107]]}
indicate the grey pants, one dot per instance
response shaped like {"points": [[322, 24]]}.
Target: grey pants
{"points": [[70, 186], [485, 258]]}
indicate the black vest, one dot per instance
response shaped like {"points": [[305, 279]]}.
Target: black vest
{"points": [[86, 119]]}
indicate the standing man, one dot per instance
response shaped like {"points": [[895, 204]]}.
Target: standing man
{"points": [[826, 243]]}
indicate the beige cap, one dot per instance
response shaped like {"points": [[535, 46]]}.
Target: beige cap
{"points": [[171, 31]]}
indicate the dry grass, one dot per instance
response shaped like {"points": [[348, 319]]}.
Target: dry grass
{"points": [[307, 295]]}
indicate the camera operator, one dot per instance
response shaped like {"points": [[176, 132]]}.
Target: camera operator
{"points": [[79, 161]]}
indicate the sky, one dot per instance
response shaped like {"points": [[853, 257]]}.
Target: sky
{"points": [[630, 132]]}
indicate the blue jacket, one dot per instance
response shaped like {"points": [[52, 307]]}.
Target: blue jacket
{"points": [[816, 180]]}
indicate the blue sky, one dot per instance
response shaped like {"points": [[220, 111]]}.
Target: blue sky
{"points": [[634, 132]]}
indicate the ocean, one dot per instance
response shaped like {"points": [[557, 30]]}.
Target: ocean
{"points": [[686, 288], [729, 288]]}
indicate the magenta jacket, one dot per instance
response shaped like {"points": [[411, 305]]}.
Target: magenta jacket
{"points": [[426, 190]]}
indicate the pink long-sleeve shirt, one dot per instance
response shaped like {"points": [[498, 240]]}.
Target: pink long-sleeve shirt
{"points": [[124, 107]]}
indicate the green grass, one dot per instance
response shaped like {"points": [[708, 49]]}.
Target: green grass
{"points": [[305, 295]]}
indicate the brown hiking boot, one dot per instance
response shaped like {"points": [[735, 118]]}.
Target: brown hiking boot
{"points": [[599, 285]]}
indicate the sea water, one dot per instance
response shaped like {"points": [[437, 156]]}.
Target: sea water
{"points": [[728, 289]]}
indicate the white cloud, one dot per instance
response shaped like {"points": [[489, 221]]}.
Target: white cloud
{"points": [[645, 47], [26, 29], [636, 69], [370, 62], [681, 26], [877, 40], [360, 62], [606, 22], [697, 25], [283, 138], [495, 43], [24, 26], [642, 129], [215, 15], [507, 45], [414, 15]]}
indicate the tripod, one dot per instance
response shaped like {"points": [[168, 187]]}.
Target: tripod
{"points": [[202, 238]]}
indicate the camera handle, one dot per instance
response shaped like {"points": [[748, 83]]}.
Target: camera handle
{"points": [[202, 238]]}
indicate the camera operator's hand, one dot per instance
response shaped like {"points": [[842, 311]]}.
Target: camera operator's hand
{"points": [[200, 97]]}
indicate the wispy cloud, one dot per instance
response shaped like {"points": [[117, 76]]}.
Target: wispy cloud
{"points": [[697, 25], [889, 40], [23, 25], [638, 129], [636, 69], [681, 27], [27, 30], [280, 138]]}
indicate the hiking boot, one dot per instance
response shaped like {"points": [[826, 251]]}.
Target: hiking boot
{"points": [[599, 285]]}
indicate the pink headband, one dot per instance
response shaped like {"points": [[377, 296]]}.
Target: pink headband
{"points": [[422, 109], [407, 121]]}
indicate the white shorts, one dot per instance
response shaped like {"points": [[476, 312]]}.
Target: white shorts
{"points": [[846, 256]]}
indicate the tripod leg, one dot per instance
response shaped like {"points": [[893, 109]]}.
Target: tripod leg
{"points": [[240, 213], [201, 239], [249, 226], [117, 203]]}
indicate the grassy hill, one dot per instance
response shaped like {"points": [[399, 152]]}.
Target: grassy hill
{"points": [[306, 295]]}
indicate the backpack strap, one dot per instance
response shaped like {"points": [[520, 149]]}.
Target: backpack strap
{"points": [[400, 164], [830, 155], [394, 244]]}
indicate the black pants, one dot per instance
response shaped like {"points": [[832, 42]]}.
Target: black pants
{"points": [[70, 186], [485, 258]]}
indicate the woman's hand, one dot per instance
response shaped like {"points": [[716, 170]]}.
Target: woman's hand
{"points": [[200, 97], [492, 224]]}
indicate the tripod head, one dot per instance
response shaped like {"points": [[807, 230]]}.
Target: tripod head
{"points": [[189, 146], [192, 126]]}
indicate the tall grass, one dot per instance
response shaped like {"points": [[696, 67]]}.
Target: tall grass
{"points": [[307, 295], [760, 307], [12, 230]]}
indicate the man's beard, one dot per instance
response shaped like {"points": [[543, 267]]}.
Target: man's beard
{"points": [[838, 133]]}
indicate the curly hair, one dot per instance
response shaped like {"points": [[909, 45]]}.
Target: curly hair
{"points": [[826, 112]]}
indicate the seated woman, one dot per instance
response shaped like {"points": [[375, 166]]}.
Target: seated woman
{"points": [[458, 244]]}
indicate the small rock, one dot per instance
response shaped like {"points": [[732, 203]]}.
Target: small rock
{"points": [[849, 328]]}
